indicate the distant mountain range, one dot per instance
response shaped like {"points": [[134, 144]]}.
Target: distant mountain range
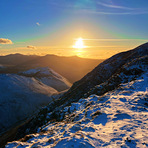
{"points": [[72, 68], [15, 59]]}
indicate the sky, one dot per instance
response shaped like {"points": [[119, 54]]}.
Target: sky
{"points": [[53, 26]]}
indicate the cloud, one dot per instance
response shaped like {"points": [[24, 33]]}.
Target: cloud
{"points": [[5, 41], [114, 6], [116, 40], [38, 23], [112, 13], [31, 47]]}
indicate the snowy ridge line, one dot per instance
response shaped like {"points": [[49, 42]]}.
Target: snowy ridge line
{"points": [[49, 77]]}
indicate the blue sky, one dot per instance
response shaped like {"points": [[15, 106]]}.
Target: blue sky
{"points": [[51, 26]]}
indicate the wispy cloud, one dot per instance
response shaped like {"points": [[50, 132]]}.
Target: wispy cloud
{"points": [[5, 41], [38, 24], [98, 12], [103, 8], [31, 47], [114, 6], [104, 46], [116, 40]]}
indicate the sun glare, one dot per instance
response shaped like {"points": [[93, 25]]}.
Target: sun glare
{"points": [[79, 44]]}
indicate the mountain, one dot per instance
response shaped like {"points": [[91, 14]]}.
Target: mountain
{"points": [[22, 96], [107, 108], [49, 77], [72, 68], [14, 59]]}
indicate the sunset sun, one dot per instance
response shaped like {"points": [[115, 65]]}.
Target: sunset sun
{"points": [[79, 44]]}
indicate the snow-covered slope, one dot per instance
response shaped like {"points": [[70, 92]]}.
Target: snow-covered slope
{"points": [[23, 95], [116, 119], [48, 77], [20, 97]]}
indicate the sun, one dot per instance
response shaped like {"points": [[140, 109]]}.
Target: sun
{"points": [[79, 44]]}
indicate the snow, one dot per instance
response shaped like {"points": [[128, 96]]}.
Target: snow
{"points": [[49, 77], [21, 97], [42, 71], [58, 84], [117, 119]]}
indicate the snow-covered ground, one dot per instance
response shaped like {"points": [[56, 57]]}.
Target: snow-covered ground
{"points": [[49, 77], [20, 97], [117, 119], [23, 96]]}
